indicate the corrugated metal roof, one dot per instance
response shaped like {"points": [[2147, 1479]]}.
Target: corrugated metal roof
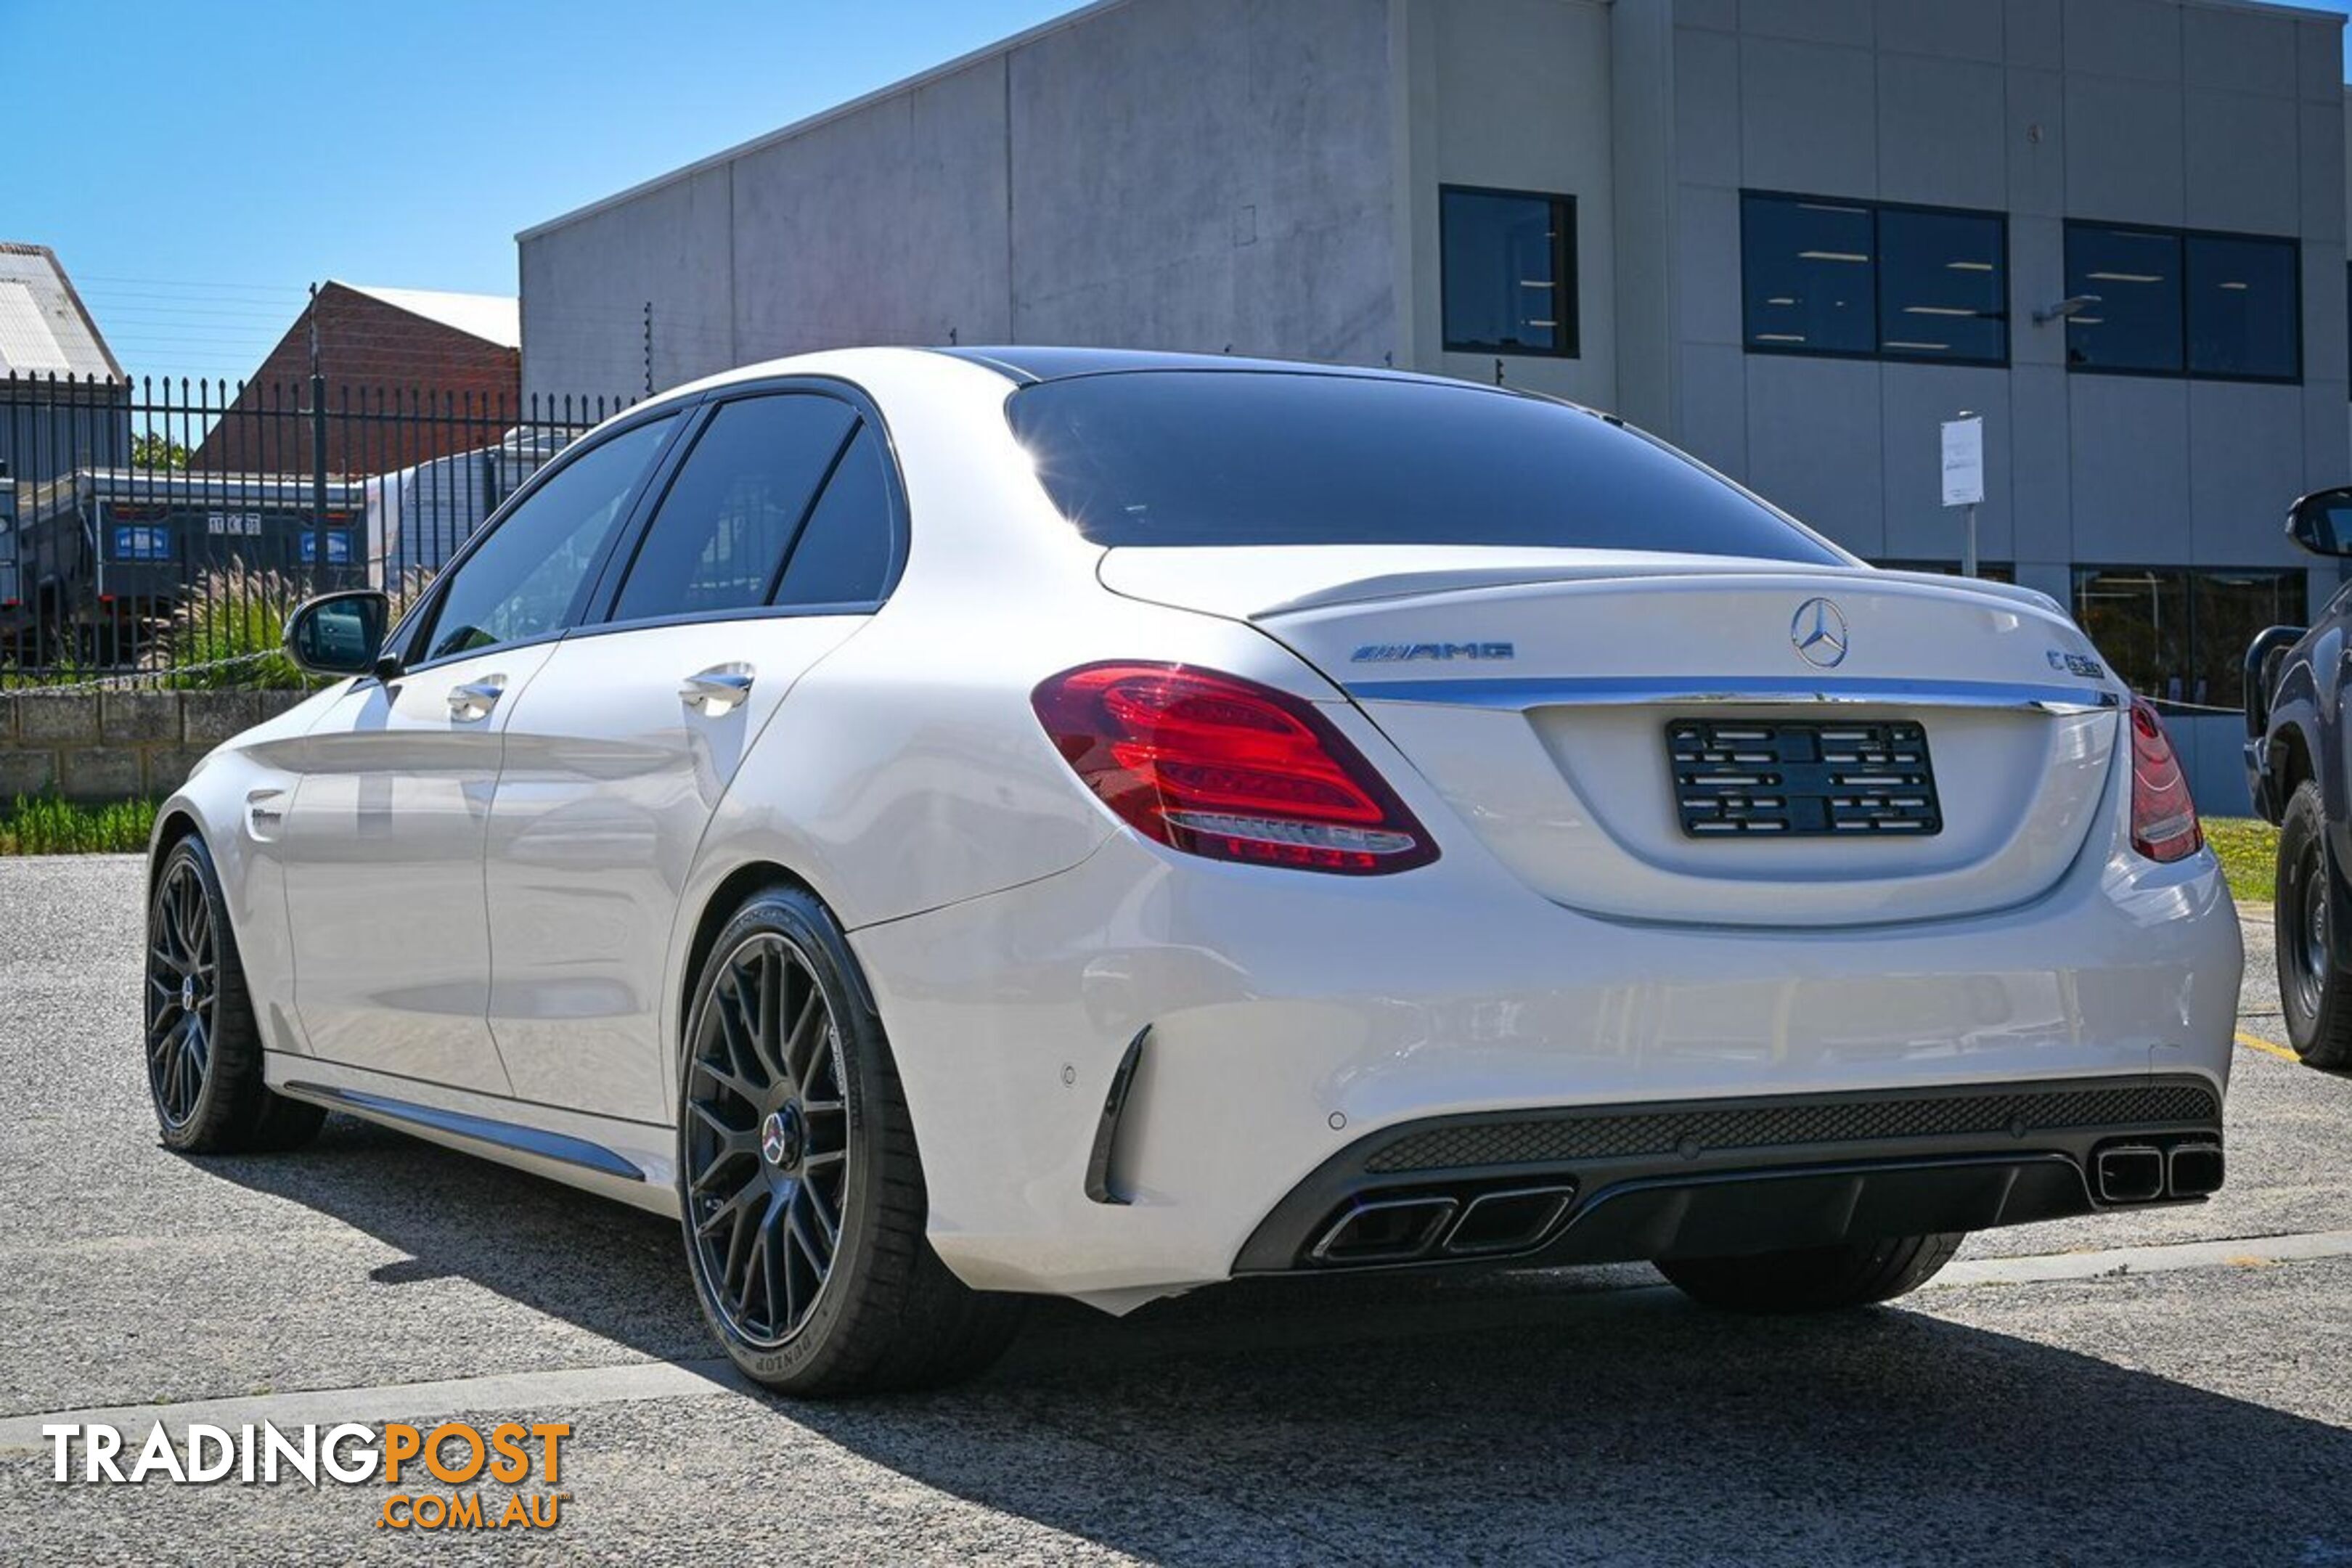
{"points": [[493, 318], [43, 330]]}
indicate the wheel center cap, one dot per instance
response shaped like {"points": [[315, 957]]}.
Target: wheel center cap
{"points": [[780, 1137], [188, 993]]}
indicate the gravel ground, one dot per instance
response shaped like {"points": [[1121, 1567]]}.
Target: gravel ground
{"points": [[2136, 1417]]}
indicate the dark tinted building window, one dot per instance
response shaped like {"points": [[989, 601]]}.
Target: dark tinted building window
{"points": [[720, 537], [2138, 619], [844, 554], [2180, 634], [1809, 270], [1209, 458], [2226, 609], [1508, 271], [1829, 276], [2132, 277], [2166, 303], [1942, 287], [2243, 308]]}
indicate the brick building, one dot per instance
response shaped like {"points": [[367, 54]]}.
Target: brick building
{"points": [[391, 350]]}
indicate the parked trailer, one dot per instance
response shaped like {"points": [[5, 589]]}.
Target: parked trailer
{"points": [[103, 556], [418, 516]]}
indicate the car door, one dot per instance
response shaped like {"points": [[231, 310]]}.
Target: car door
{"points": [[776, 537], [384, 833]]}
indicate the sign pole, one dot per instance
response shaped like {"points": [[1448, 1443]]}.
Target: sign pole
{"points": [[1964, 476]]}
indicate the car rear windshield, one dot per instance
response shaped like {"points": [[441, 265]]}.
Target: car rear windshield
{"points": [[1209, 458]]}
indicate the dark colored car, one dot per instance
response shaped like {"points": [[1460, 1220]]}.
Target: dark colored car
{"points": [[2296, 768]]}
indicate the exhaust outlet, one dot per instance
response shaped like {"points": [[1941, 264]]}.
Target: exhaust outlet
{"points": [[1387, 1230], [1510, 1221], [2130, 1174], [2193, 1170]]}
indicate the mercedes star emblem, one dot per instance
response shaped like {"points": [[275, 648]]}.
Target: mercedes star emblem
{"points": [[1819, 633]]}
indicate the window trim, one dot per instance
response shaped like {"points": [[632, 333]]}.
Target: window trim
{"points": [[603, 598], [1567, 282], [414, 626], [2294, 250], [1877, 263]]}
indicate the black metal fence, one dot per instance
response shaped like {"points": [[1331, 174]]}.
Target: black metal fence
{"points": [[159, 530]]}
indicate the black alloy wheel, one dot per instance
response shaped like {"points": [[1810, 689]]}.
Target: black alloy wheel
{"points": [[799, 1187], [2315, 994], [184, 968], [203, 1048], [767, 1143], [2303, 940]]}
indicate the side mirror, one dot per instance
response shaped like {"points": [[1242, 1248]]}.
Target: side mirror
{"points": [[2321, 521], [340, 634]]}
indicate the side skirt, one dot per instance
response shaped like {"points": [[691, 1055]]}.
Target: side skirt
{"points": [[630, 1162]]}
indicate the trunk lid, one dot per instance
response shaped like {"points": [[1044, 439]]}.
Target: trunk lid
{"points": [[1644, 736]]}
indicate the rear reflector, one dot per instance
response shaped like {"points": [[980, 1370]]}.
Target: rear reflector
{"points": [[2164, 819], [1215, 765]]}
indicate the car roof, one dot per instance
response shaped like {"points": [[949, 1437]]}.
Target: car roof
{"points": [[1030, 364]]}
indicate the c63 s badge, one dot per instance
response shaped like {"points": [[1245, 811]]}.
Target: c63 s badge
{"points": [[2076, 664], [1405, 652]]}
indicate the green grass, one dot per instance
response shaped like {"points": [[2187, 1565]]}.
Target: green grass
{"points": [[43, 825], [2249, 850]]}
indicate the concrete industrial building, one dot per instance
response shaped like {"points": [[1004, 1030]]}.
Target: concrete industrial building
{"points": [[1791, 235]]}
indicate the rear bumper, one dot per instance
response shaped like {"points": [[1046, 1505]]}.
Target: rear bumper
{"points": [[1635, 1183], [1293, 1017]]}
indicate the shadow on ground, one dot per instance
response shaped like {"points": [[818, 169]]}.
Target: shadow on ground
{"points": [[1549, 1416]]}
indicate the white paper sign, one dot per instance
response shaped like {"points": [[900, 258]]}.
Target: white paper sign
{"points": [[1964, 461]]}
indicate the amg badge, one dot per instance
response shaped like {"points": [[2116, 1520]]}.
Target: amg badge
{"points": [[1403, 652]]}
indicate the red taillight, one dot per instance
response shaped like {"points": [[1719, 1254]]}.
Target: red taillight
{"points": [[2164, 819], [1215, 765]]}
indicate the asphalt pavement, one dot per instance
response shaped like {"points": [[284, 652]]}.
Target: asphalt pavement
{"points": [[2171, 1387]]}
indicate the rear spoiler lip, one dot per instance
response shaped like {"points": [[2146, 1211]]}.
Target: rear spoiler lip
{"points": [[1516, 692], [1431, 585]]}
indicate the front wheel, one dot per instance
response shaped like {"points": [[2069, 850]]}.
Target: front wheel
{"points": [[1816, 1278], [799, 1187], [2314, 995], [203, 1049]]}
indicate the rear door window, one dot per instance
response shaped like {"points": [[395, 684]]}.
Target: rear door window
{"points": [[721, 538], [842, 557]]}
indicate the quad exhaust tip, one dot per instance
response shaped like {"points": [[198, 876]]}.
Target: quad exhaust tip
{"points": [[1510, 1221], [1401, 1230], [2130, 1174], [2193, 1170], [1385, 1230], [2142, 1173]]}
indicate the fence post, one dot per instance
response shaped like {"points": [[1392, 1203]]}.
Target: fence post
{"points": [[317, 448]]}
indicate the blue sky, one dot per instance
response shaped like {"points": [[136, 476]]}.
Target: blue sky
{"points": [[195, 166]]}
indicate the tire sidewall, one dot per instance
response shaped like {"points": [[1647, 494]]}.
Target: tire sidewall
{"points": [[2302, 854], [802, 920], [225, 1056]]}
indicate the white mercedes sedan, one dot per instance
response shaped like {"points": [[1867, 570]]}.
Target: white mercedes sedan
{"points": [[955, 825]]}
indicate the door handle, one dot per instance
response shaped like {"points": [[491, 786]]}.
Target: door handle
{"points": [[474, 701], [717, 690]]}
